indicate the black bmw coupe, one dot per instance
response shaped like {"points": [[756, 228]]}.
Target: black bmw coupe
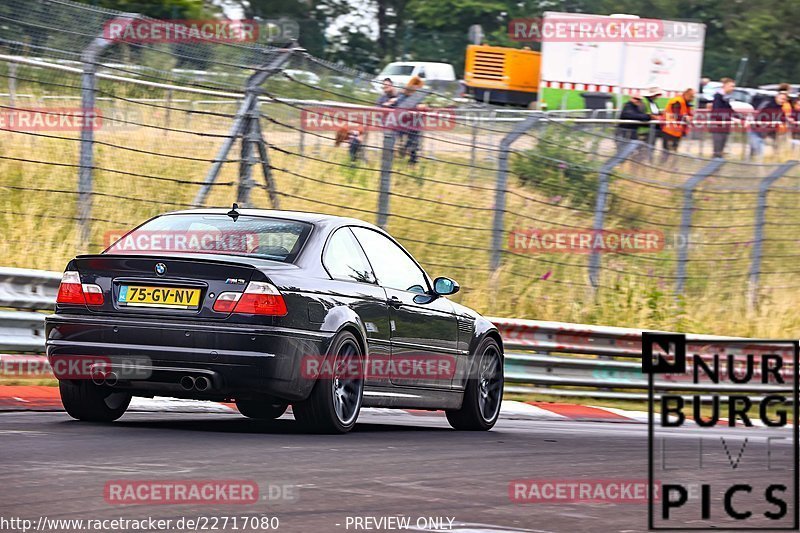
{"points": [[269, 309]]}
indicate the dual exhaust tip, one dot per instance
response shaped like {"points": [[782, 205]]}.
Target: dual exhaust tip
{"points": [[200, 384], [105, 378], [110, 379]]}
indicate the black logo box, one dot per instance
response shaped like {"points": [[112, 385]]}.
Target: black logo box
{"points": [[675, 344]]}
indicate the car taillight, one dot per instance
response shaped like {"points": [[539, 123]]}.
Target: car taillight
{"points": [[226, 301], [93, 294], [72, 291], [258, 298]]}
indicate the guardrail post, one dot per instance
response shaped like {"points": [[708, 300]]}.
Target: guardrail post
{"points": [[89, 58], [241, 124], [625, 150], [686, 219], [502, 185], [758, 237]]}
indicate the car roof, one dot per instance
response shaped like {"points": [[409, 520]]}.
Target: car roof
{"points": [[302, 216]]}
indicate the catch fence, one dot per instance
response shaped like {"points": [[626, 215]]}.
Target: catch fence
{"points": [[502, 200]]}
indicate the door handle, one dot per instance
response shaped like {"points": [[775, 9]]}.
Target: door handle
{"points": [[395, 302]]}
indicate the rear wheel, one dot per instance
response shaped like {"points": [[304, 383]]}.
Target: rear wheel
{"points": [[484, 393], [335, 400], [83, 400], [261, 409]]}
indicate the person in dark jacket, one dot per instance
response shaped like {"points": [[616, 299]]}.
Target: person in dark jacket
{"points": [[632, 110], [388, 94], [721, 116], [768, 117]]}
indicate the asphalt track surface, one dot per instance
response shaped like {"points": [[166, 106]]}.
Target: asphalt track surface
{"points": [[390, 465]]}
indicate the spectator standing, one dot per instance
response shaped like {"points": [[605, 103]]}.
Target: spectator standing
{"points": [[721, 116], [651, 108], [677, 116], [412, 133], [388, 94], [632, 110], [767, 119]]}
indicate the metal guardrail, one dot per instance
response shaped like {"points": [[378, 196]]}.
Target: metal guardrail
{"points": [[589, 370], [25, 291], [583, 367]]}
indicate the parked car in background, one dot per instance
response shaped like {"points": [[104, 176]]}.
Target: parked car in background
{"points": [[303, 76], [436, 75], [742, 99]]}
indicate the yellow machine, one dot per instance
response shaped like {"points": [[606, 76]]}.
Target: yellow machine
{"points": [[502, 75]]}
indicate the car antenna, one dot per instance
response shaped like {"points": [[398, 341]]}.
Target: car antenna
{"points": [[233, 213]]}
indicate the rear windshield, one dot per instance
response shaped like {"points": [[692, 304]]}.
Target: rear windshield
{"points": [[268, 238]]}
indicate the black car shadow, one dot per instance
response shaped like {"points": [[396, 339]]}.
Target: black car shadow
{"points": [[229, 424]]}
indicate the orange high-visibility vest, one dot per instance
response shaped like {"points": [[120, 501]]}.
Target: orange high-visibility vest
{"points": [[674, 124]]}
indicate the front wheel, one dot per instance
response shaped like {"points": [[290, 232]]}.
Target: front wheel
{"points": [[484, 393], [83, 400], [335, 400]]}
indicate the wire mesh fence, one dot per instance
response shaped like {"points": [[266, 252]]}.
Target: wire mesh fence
{"points": [[566, 222]]}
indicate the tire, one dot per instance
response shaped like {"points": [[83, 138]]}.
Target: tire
{"points": [[261, 409], [484, 392], [83, 400], [335, 401]]}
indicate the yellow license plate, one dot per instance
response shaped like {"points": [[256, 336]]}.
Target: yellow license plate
{"points": [[172, 297]]}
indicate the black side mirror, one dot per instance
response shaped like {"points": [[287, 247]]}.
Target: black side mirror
{"points": [[444, 286]]}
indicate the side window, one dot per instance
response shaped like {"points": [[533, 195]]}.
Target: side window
{"points": [[345, 259], [393, 267]]}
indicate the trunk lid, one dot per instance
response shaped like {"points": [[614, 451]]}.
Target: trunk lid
{"points": [[169, 284]]}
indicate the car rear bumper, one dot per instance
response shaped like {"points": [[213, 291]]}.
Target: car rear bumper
{"points": [[152, 355]]}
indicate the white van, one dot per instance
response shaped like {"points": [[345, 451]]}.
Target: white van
{"points": [[400, 72]]}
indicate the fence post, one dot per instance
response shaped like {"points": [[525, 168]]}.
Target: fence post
{"points": [[249, 138], [12, 84], [473, 149], [89, 58], [758, 237], [387, 158], [502, 185], [242, 121], [167, 113], [686, 218], [624, 151], [266, 168]]}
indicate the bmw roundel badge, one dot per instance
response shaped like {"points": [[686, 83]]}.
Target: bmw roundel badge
{"points": [[161, 269]]}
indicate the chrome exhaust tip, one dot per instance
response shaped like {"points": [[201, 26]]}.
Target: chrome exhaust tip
{"points": [[111, 379], [98, 377], [202, 383], [187, 382]]}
